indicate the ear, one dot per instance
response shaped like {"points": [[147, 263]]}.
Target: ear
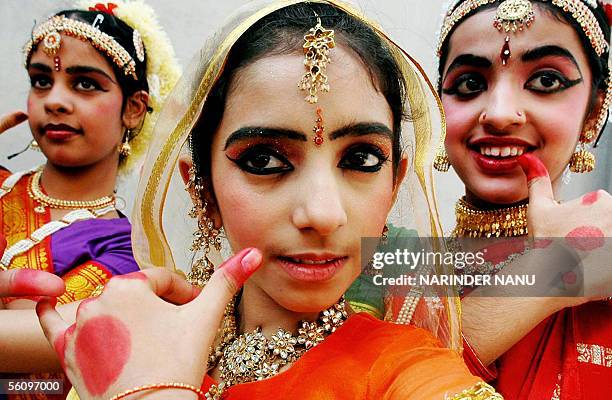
{"points": [[400, 174], [591, 118], [135, 109], [212, 211]]}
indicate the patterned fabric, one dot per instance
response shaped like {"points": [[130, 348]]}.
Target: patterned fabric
{"points": [[85, 254]]}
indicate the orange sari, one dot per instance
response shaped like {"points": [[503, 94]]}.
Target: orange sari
{"points": [[366, 359]]}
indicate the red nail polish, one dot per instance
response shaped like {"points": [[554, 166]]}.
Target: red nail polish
{"points": [[532, 166]]}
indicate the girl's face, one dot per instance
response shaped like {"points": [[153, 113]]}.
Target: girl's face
{"points": [[305, 206], [537, 102], [75, 113]]}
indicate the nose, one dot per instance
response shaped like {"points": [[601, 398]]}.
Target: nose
{"points": [[58, 100], [320, 207], [503, 110]]}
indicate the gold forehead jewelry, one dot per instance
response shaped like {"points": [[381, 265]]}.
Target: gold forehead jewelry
{"points": [[317, 43], [49, 34], [579, 11], [514, 15]]}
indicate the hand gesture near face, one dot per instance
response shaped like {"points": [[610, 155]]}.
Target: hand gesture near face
{"points": [[147, 327], [583, 223], [27, 282], [11, 120]]}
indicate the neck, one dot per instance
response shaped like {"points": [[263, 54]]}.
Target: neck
{"points": [[258, 309], [83, 183]]}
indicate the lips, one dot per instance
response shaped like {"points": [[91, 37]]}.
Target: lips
{"points": [[60, 132], [312, 267], [498, 155]]}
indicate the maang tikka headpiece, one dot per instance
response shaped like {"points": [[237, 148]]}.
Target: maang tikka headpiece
{"points": [[317, 43]]}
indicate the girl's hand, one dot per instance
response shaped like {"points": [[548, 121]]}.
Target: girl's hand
{"points": [[584, 224], [147, 327], [11, 120], [28, 282]]}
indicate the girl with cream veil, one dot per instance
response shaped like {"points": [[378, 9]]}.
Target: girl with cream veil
{"points": [[522, 105], [305, 126]]}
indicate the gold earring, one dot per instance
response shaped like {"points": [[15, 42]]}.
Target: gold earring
{"points": [[384, 236], [205, 237], [125, 149], [34, 145], [582, 160], [441, 161]]}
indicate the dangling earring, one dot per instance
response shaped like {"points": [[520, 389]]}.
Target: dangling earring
{"points": [[583, 160], [384, 236], [205, 237], [34, 145], [126, 149], [441, 161]]}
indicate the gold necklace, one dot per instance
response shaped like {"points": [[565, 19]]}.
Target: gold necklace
{"points": [[36, 193], [501, 222], [252, 357]]}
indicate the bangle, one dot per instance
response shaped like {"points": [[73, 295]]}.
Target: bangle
{"points": [[169, 385], [480, 391]]}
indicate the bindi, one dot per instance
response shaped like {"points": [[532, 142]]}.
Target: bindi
{"points": [[319, 128], [505, 53], [57, 63]]}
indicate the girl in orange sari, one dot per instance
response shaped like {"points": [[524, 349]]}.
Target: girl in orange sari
{"points": [[295, 116]]}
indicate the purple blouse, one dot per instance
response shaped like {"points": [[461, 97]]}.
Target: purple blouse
{"points": [[105, 241]]}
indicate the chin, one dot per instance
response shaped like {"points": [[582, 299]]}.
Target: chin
{"points": [[500, 194], [308, 301]]}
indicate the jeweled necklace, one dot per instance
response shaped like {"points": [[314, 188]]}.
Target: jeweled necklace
{"points": [[36, 193], [252, 357], [502, 222]]}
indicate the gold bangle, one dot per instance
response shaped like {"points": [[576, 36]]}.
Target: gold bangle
{"points": [[169, 385], [480, 391]]}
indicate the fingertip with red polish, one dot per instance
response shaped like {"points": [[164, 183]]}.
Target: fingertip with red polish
{"points": [[532, 166], [250, 260]]}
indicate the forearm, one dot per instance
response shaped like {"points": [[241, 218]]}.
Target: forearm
{"points": [[492, 325], [23, 346]]}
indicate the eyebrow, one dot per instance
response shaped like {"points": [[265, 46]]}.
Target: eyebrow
{"points": [[359, 129], [469, 60], [548, 51], [73, 70]]}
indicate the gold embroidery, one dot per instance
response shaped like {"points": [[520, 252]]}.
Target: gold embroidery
{"points": [[594, 354], [18, 223], [557, 391], [81, 282]]}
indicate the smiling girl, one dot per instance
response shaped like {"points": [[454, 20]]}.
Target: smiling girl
{"points": [[526, 90]]}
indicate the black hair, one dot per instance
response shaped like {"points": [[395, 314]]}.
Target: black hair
{"points": [[282, 32], [597, 64], [123, 34]]}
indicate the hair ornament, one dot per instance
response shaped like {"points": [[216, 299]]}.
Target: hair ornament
{"points": [[107, 9], [578, 9], [514, 15], [49, 34], [163, 70], [317, 43]]}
